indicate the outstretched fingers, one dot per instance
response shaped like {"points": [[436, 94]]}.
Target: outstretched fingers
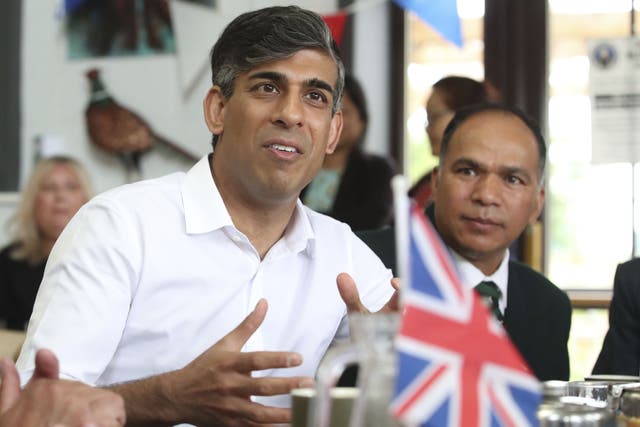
{"points": [[259, 360], [237, 411], [394, 302], [235, 339], [269, 386], [349, 293], [351, 297]]}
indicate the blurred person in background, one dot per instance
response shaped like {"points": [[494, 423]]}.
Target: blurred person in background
{"points": [[447, 95], [353, 186], [54, 192], [620, 353]]}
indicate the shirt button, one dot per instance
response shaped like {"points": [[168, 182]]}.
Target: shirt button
{"points": [[237, 238]]}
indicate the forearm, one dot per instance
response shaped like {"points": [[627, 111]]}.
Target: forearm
{"points": [[150, 401]]}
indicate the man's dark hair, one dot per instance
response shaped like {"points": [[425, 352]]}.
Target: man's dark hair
{"points": [[464, 113], [267, 35]]}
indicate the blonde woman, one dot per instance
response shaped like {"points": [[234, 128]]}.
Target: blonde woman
{"points": [[55, 191]]}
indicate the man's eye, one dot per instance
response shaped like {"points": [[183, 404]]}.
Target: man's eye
{"points": [[513, 179], [317, 96], [467, 171], [265, 88]]}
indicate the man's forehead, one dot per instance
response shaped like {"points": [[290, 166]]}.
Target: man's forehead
{"points": [[497, 124], [500, 130], [283, 65]]}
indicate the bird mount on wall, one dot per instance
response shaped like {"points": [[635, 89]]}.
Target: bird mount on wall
{"points": [[120, 131]]}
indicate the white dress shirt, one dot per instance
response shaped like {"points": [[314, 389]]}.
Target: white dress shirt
{"points": [[471, 276], [149, 275]]}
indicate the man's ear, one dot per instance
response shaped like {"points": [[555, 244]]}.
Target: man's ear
{"points": [[214, 108], [334, 132]]}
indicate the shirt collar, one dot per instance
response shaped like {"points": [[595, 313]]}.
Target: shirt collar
{"points": [[299, 234], [205, 211], [471, 275]]}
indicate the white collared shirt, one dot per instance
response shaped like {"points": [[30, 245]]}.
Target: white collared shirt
{"points": [[471, 275], [149, 275]]}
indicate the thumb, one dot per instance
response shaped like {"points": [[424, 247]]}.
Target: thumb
{"points": [[9, 385], [47, 365], [235, 339], [393, 304], [349, 293]]}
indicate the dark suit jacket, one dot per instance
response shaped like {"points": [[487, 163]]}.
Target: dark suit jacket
{"points": [[537, 317], [620, 352], [364, 199], [538, 320]]}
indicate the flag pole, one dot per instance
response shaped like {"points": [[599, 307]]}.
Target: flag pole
{"points": [[401, 215]]}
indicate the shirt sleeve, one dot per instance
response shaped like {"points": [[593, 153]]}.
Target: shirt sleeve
{"points": [[371, 276], [373, 280], [85, 295]]}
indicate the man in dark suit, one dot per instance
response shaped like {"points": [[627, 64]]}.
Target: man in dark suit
{"points": [[487, 188], [620, 352]]}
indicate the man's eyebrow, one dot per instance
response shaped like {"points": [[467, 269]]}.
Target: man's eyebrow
{"points": [[466, 162], [516, 170], [320, 84], [281, 78], [269, 75], [504, 170]]}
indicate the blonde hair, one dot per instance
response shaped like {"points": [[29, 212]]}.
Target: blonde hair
{"points": [[22, 225]]}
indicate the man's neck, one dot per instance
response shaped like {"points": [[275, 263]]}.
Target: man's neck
{"points": [[262, 227], [487, 265], [481, 266], [263, 223]]}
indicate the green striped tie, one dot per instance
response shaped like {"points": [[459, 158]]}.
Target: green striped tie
{"points": [[491, 294]]}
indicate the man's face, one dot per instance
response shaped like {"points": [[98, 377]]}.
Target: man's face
{"points": [[486, 191], [276, 127]]}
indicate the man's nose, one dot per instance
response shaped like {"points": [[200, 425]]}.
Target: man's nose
{"points": [[290, 110], [487, 190]]}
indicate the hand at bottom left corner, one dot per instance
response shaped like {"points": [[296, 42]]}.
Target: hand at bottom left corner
{"points": [[49, 401]]}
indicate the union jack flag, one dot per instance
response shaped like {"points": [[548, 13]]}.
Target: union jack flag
{"points": [[456, 365]]}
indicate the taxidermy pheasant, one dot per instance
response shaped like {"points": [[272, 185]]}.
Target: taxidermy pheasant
{"points": [[116, 129]]}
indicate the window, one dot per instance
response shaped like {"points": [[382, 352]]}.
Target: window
{"points": [[430, 58], [582, 250], [589, 209]]}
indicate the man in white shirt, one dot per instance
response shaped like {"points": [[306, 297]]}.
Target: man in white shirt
{"points": [[159, 290], [487, 188]]}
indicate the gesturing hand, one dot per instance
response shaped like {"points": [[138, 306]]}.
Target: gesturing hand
{"points": [[215, 388], [48, 401], [351, 297]]}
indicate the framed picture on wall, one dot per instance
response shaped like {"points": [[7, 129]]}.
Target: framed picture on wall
{"points": [[99, 28]]}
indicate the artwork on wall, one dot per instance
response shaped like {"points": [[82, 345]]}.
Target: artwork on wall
{"points": [[98, 28]]}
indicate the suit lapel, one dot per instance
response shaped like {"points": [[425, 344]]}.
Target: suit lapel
{"points": [[516, 310]]}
